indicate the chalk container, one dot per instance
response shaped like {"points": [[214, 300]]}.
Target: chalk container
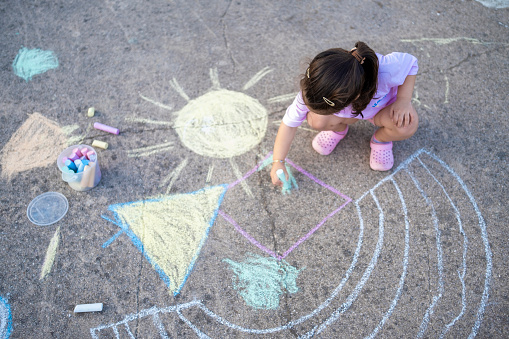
{"points": [[85, 180]]}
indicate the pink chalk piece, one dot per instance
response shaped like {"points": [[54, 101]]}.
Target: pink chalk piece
{"points": [[77, 151], [84, 151], [91, 156], [106, 128], [73, 157], [64, 159]]}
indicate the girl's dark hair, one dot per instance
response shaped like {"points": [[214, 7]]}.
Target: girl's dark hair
{"points": [[341, 79]]}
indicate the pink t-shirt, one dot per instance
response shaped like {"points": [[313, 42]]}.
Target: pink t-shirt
{"points": [[393, 69]]}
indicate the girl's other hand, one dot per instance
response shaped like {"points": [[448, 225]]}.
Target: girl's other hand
{"points": [[273, 175], [401, 113]]}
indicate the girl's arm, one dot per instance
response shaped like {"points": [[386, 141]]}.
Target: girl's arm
{"points": [[400, 110], [282, 145]]}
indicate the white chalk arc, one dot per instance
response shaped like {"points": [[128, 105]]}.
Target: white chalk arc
{"points": [[335, 316]]}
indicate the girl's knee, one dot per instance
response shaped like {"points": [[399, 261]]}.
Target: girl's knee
{"points": [[318, 122]]}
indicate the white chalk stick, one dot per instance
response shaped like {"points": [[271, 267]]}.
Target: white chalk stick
{"points": [[88, 308]]}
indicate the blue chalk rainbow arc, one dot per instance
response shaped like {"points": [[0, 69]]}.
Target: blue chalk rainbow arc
{"points": [[421, 166]]}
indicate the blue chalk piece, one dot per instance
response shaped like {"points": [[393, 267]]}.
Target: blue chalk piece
{"points": [[71, 165], [287, 184], [81, 167], [85, 162]]}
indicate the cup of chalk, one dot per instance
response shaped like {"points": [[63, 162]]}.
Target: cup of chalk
{"points": [[80, 167]]}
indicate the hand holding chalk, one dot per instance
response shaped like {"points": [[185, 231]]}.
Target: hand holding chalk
{"points": [[287, 185]]}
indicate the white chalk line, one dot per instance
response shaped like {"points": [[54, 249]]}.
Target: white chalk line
{"points": [[405, 265], [173, 176], [438, 296], [359, 286], [239, 176], [487, 249], [465, 249]]}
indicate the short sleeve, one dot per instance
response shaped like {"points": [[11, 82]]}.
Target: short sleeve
{"points": [[296, 113], [395, 67]]}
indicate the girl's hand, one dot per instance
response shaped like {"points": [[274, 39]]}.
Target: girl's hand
{"points": [[273, 175], [401, 112]]}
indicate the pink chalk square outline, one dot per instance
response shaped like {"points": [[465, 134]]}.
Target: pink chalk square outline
{"points": [[251, 239]]}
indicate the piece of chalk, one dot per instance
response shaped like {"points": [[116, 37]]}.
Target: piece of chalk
{"points": [[73, 156], [77, 162], [287, 185], [86, 176], [98, 307], [71, 165], [77, 151], [91, 171], [100, 144], [92, 156], [84, 151], [106, 128], [91, 112], [64, 159]]}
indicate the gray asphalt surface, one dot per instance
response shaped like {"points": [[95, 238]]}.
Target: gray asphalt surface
{"points": [[419, 251]]}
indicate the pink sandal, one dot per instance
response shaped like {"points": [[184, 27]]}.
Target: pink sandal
{"points": [[325, 141], [381, 158]]}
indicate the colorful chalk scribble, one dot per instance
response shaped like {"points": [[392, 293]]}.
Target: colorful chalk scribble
{"points": [[265, 162], [30, 62], [261, 281], [51, 253], [37, 143], [170, 231], [5, 319]]}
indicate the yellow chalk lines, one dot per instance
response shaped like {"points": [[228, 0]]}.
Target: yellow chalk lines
{"points": [[257, 77], [209, 174], [282, 98], [238, 174], [178, 89], [158, 104], [214, 78], [50, 254], [172, 177], [445, 41], [145, 151], [148, 121]]}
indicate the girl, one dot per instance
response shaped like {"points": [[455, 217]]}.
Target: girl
{"points": [[339, 88]]}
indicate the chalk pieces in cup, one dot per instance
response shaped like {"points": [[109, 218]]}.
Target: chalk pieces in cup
{"points": [[81, 174]]}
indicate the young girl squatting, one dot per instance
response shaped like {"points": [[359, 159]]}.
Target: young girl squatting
{"points": [[341, 87]]}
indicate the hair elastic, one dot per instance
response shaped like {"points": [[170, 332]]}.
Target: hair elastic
{"points": [[307, 72], [329, 102], [356, 55]]}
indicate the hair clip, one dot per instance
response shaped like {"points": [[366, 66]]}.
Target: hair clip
{"points": [[329, 102], [307, 72], [356, 55]]}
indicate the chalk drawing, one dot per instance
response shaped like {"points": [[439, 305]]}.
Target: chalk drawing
{"points": [[170, 231], [446, 41], [494, 3], [155, 102], [261, 281], [30, 62], [209, 174], [350, 299], [149, 150], [173, 176], [50, 254], [282, 98], [257, 77], [37, 143], [220, 123], [267, 160], [5, 319], [446, 101]]}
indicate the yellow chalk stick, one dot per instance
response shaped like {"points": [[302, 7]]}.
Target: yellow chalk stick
{"points": [[91, 112], [100, 144]]}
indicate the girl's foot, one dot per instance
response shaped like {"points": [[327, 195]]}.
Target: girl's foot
{"points": [[325, 141], [381, 158]]}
